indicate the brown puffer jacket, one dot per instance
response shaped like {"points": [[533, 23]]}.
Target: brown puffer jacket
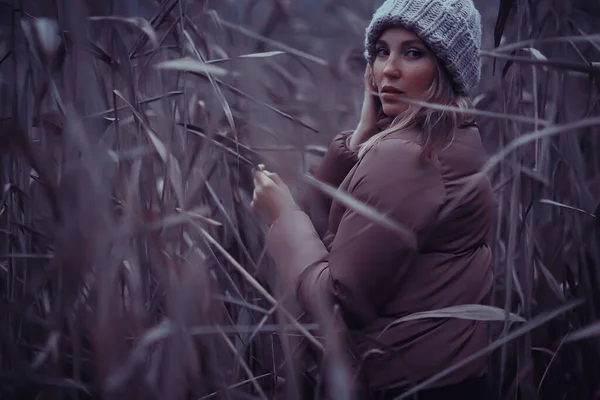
{"points": [[377, 274]]}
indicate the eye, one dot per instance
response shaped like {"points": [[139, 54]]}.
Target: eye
{"points": [[414, 53], [381, 52]]}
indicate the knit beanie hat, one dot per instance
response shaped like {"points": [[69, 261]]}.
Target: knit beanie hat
{"points": [[451, 29]]}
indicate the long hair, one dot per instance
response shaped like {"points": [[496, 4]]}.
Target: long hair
{"points": [[437, 127]]}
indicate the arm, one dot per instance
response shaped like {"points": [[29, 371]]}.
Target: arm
{"points": [[342, 153], [366, 259], [334, 167]]}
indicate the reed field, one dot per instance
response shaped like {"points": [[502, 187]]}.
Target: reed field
{"points": [[131, 264]]}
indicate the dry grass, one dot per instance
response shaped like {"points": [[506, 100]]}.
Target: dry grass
{"points": [[130, 263]]}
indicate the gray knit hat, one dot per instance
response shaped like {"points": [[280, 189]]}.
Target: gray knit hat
{"points": [[451, 28]]}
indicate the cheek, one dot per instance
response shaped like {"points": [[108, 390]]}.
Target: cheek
{"points": [[420, 76]]}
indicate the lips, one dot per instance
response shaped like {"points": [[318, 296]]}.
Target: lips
{"points": [[390, 94], [391, 89]]}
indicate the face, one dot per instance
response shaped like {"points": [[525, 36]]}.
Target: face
{"points": [[404, 67]]}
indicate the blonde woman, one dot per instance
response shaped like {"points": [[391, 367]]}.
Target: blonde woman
{"points": [[411, 163]]}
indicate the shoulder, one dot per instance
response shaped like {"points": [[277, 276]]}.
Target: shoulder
{"points": [[396, 159], [394, 151], [393, 176], [466, 155]]}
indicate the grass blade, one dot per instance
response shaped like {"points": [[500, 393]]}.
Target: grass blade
{"points": [[475, 312], [134, 22], [363, 209], [590, 331], [251, 55], [191, 65], [561, 205], [271, 42], [528, 327], [257, 286]]}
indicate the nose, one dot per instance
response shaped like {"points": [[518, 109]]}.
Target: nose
{"points": [[392, 67]]}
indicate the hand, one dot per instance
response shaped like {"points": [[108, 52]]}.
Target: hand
{"points": [[370, 113], [271, 197]]}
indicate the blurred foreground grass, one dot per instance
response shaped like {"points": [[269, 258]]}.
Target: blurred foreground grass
{"points": [[130, 263]]}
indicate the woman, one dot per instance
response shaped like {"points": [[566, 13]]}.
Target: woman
{"points": [[419, 167]]}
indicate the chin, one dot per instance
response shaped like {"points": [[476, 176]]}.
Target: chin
{"points": [[393, 110]]}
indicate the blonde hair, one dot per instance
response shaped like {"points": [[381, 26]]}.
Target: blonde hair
{"points": [[437, 127]]}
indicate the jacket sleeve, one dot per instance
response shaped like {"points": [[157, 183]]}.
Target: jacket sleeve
{"points": [[335, 165], [366, 260]]}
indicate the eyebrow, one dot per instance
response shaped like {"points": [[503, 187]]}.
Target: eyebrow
{"points": [[406, 43]]}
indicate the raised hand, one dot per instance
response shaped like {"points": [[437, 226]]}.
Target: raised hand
{"points": [[370, 113], [271, 197]]}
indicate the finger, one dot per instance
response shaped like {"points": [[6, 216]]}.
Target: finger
{"points": [[273, 176], [256, 177], [368, 71], [371, 79], [261, 178], [373, 86]]}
